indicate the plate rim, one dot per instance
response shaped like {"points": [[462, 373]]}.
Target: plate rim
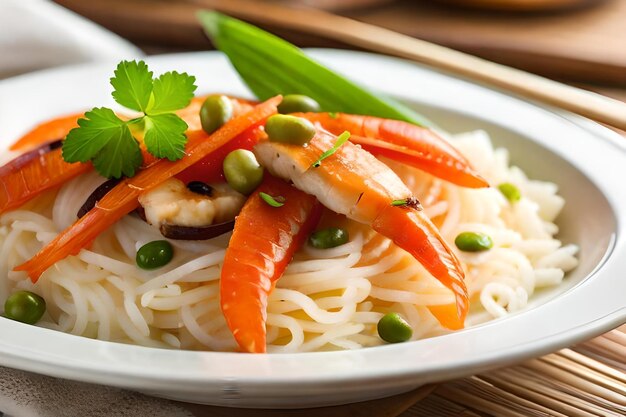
{"points": [[122, 375]]}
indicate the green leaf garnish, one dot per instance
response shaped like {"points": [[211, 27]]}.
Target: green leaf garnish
{"points": [[102, 133], [271, 66], [132, 85], [341, 139], [108, 142], [165, 136], [272, 201], [172, 91]]}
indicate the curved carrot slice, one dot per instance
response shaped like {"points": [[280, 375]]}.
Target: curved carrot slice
{"points": [[263, 242], [54, 129], [30, 174], [122, 199], [415, 145], [412, 231], [59, 127]]}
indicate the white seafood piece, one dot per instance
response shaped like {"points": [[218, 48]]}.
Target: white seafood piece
{"points": [[352, 182], [173, 203]]}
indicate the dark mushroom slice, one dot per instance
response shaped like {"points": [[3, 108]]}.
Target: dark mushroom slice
{"points": [[96, 196], [172, 231]]}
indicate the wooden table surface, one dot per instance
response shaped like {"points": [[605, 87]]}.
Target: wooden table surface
{"points": [[586, 47]]}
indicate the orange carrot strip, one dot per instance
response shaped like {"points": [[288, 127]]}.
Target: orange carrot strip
{"points": [[263, 242], [59, 127], [54, 129], [31, 174], [122, 199]]}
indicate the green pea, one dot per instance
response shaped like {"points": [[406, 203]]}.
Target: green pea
{"points": [[393, 328], [154, 255], [242, 171], [298, 103], [25, 306], [289, 129], [510, 191], [329, 238], [215, 111], [473, 242]]}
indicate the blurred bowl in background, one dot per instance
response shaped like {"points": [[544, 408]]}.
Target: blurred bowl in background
{"points": [[334, 5], [523, 5]]}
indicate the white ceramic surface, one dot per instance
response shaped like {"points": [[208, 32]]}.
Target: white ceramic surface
{"points": [[588, 162]]}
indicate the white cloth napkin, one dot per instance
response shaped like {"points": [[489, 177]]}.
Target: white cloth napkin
{"points": [[23, 394], [36, 34]]}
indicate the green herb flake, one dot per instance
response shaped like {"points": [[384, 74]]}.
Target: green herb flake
{"points": [[411, 202], [402, 202], [273, 201], [333, 115], [341, 139], [109, 142]]}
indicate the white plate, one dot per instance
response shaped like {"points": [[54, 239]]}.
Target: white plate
{"points": [[546, 144]]}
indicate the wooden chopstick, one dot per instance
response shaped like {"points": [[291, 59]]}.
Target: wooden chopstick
{"points": [[594, 106]]}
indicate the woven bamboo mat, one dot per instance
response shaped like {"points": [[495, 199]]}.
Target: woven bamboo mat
{"points": [[588, 379]]}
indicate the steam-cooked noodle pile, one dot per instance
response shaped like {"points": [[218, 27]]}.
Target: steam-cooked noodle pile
{"points": [[328, 298]]}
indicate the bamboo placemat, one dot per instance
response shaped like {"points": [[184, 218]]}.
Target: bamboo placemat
{"points": [[588, 379]]}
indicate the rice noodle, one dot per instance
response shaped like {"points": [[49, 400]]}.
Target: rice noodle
{"points": [[327, 300]]}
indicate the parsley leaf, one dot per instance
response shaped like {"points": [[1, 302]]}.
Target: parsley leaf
{"points": [[132, 85], [109, 161], [164, 136], [106, 140], [172, 91]]}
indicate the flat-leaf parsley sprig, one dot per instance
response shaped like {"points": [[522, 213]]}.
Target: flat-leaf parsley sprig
{"points": [[109, 142]]}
